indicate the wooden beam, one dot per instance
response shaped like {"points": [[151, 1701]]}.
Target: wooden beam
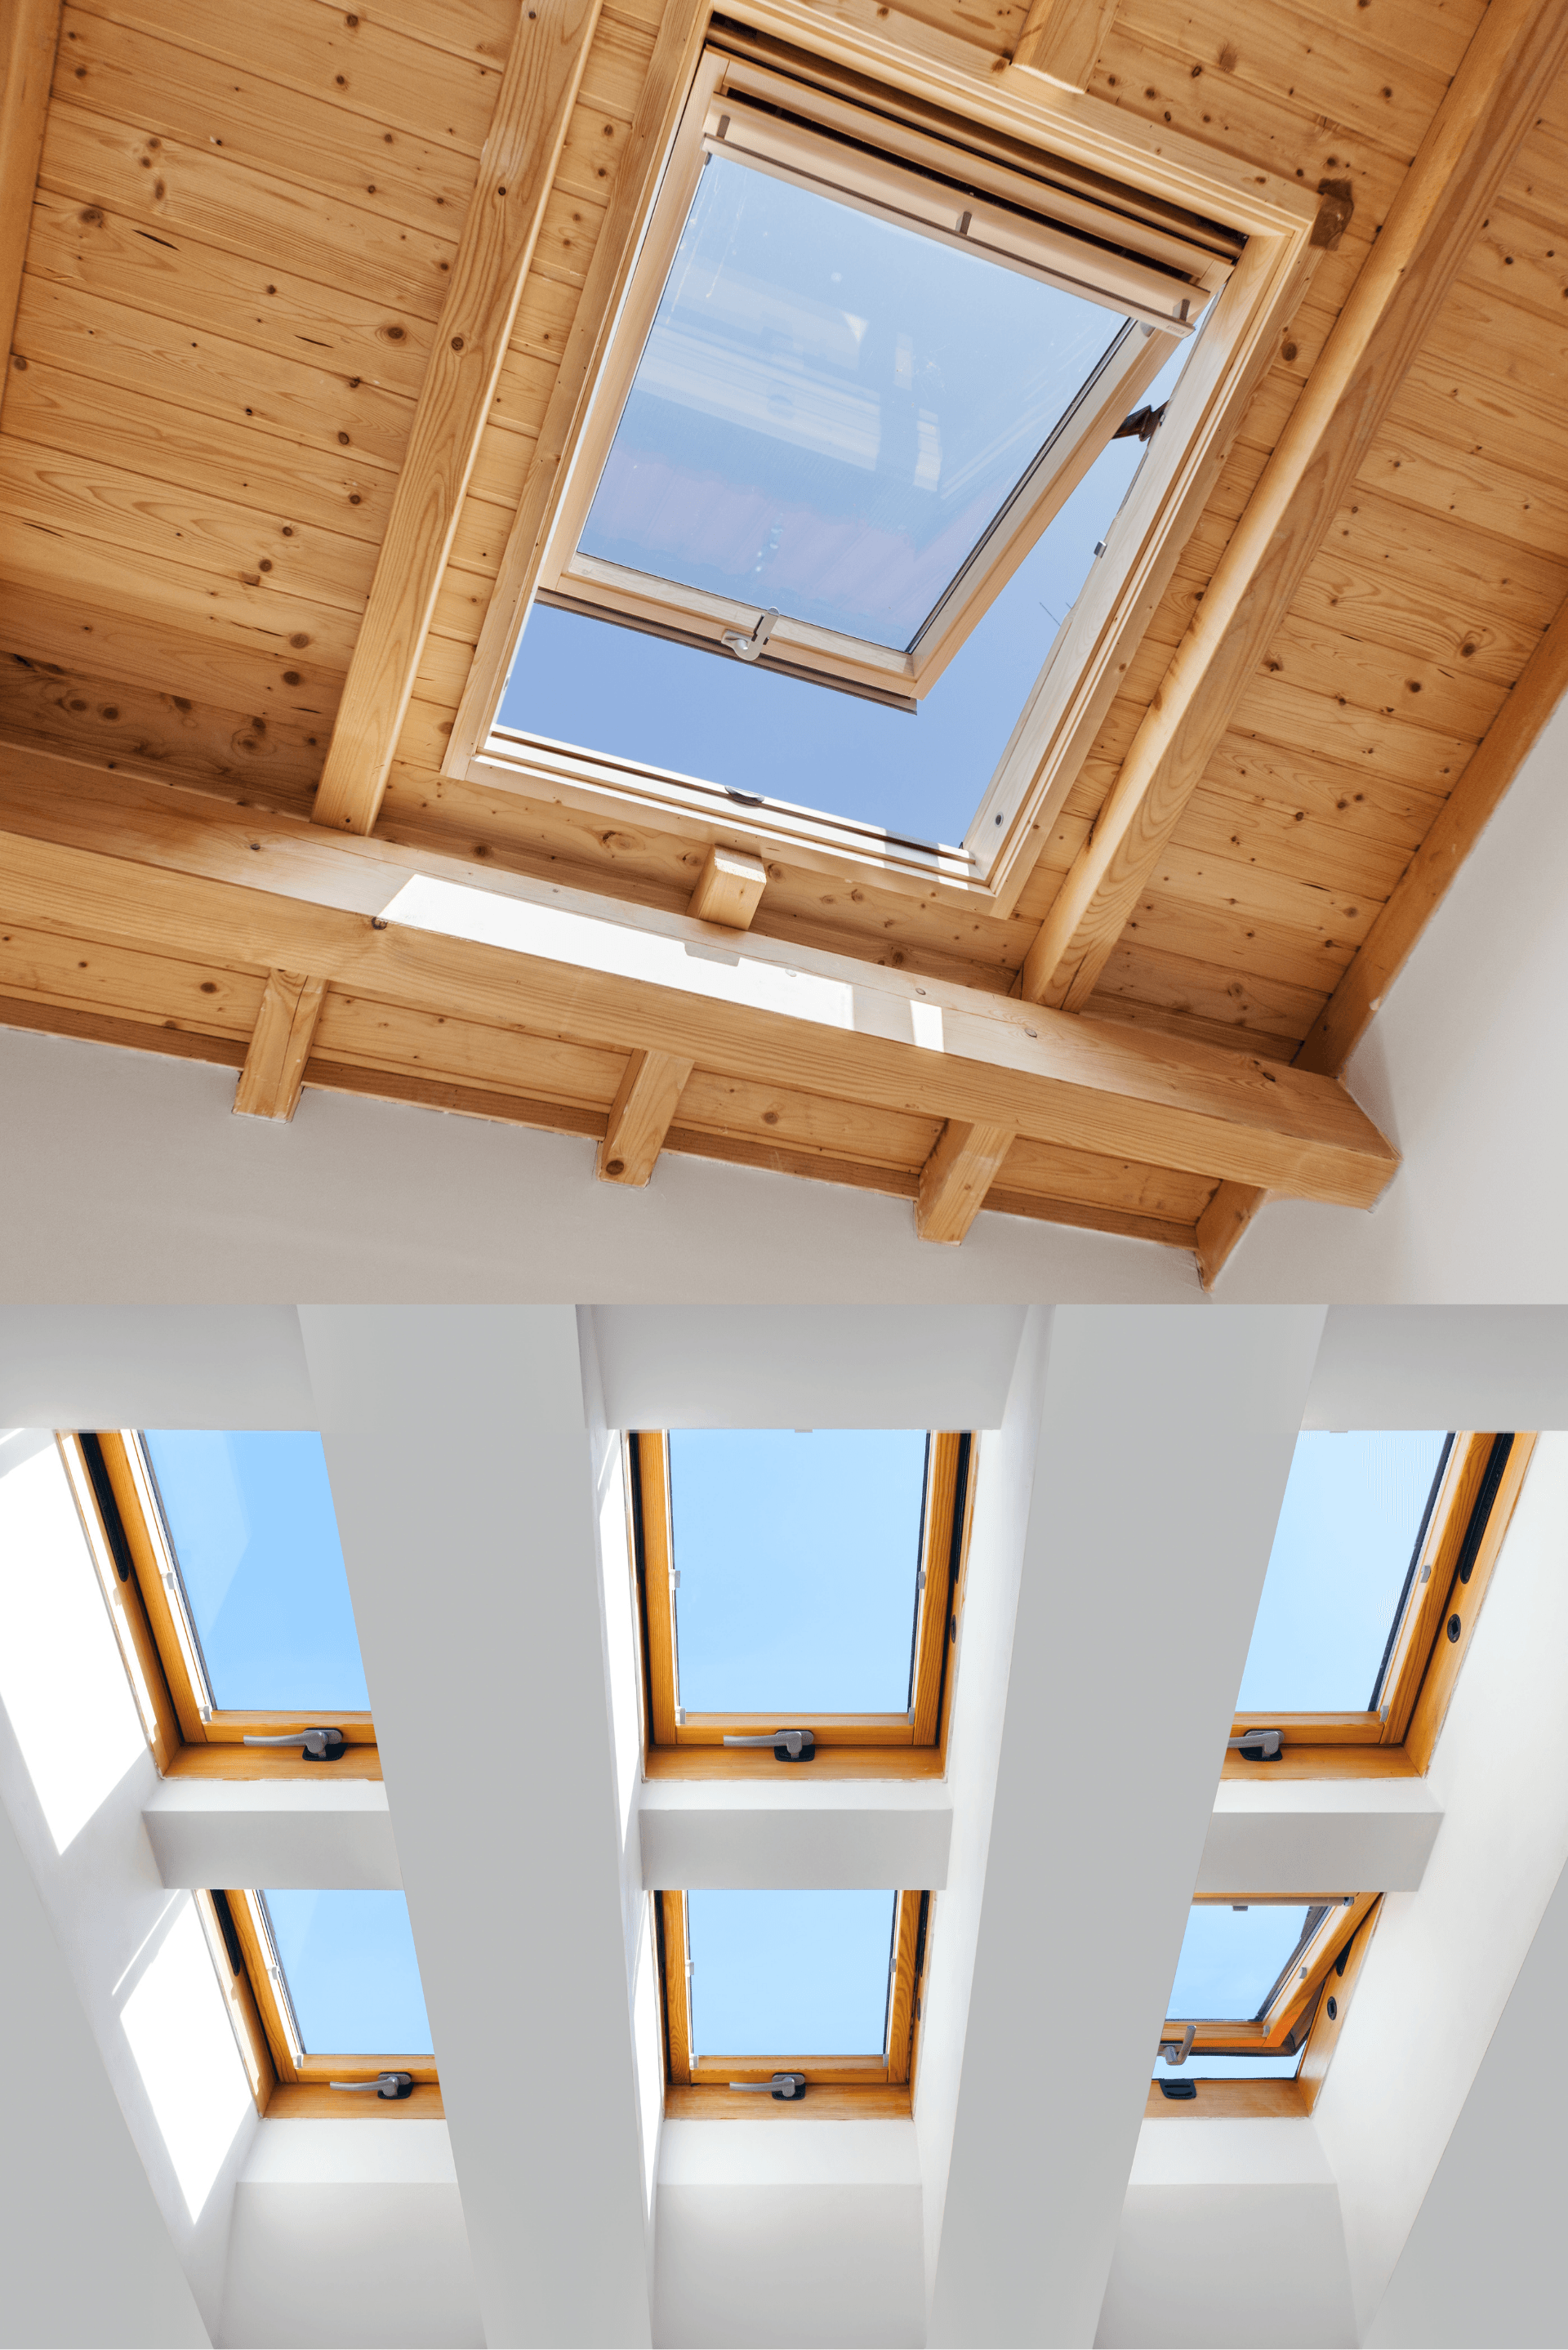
{"points": [[1512, 62], [274, 1073], [29, 30], [1061, 40], [1221, 1225], [271, 892], [533, 108], [731, 888], [641, 1117], [956, 1178]]}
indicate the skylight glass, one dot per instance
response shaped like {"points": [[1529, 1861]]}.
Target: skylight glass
{"points": [[790, 1974], [1231, 1959], [353, 1979], [830, 408], [798, 1558], [1354, 1513], [1276, 2066], [252, 1523]]}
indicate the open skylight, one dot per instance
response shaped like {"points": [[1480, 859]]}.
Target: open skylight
{"points": [[1259, 1985]]}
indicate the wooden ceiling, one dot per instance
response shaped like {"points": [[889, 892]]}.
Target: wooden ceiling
{"points": [[287, 397]]}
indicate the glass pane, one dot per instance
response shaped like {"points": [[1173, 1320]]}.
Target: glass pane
{"points": [[790, 1974], [799, 1557], [348, 1959], [830, 409], [253, 1527], [1232, 1959], [1232, 2068], [1354, 1510]]}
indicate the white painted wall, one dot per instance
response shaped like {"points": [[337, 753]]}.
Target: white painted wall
{"points": [[284, 1832], [809, 1832], [1441, 1366], [104, 1365], [1326, 1836]]}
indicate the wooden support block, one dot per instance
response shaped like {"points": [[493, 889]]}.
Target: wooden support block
{"points": [[1061, 40], [641, 1117], [280, 1046], [731, 888], [1221, 1225], [957, 1177]]}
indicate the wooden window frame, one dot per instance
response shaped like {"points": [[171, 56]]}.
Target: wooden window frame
{"points": [[116, 1500], [1470, 1518], [868, 1745], [778, 124], [286, 2082], [1338, 1954], [838, 2087]]}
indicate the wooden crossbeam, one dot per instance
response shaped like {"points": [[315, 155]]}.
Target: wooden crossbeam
{"points": [[957, 1177], [280, 1046], [1061, 40], [731, 888], [271, 892], [1512, 62], [29, 31], [641, 1117], [533, 108]]}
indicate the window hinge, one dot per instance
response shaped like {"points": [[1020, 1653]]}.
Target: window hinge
{"points": [[675, 1578], [788, 1745], [1176, 2051], [746, 648], [783, 2085], [1141, 425], [314, 1745], [1256, 1745], [385, 2084]]}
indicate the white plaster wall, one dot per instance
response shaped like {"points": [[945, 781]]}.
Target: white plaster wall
{"points": [[1441, 1366], [283, 1832], [822, 1833], [100, 1365], [1335, 1835]]}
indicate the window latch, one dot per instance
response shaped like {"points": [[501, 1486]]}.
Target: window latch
{"points": [[746, 648], [1176, 2051], [783, 2085], [385, 2084], [1256, 1745], [314, 1745], [788, 1745]]}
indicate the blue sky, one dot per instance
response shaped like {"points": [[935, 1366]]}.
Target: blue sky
{"points": [[1230, 1959], [789, 1974], [798, 1556], [256, 1538], [350, 1962]]}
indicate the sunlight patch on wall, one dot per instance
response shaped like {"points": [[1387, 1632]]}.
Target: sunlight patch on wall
{"points": [[183, 2045]]}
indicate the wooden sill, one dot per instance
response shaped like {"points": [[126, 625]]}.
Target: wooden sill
{"points": [[1233, 2101], [228, 1760], [822, 2102], [1310, 1761], [760, 1763], [308, 2101]]}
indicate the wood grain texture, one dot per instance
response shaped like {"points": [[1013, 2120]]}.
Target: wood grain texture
{"points": [[1491, 103], [285, 1028], [1464, 1606], [957, 1177], [1061, 40], [516, 168], [29, 30], [640, 1116], [729, 889]]}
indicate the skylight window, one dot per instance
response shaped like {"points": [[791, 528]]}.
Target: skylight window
{"points": [[1259, 1985], [800, 1582], [327, 1999]]}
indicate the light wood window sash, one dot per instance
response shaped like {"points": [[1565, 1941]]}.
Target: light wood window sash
{"points": [[1481, 1484], [911, 1743], [1281, 2028], [850, 2085], [116, 1497]]}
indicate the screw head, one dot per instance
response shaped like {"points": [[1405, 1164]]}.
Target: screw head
{"points": [[1454, 1627]]}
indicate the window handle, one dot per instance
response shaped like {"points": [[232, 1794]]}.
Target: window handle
{"points": [[314, 1745], [788, 1745], [783, 2085], [1256, 1745], [385, 2084], [746, 648], [1176, 2051]]}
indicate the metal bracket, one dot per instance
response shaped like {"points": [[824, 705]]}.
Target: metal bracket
{"points": [[1178, 2090], [1176, 2051], [385, 2084], [746, 648], [783, 2085], [1256, 1745], [314, 1745], [788, 1745]]}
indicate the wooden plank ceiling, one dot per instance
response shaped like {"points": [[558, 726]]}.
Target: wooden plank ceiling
{"points": [[246, 252]]}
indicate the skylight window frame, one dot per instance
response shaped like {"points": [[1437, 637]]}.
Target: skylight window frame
{"points": [[190, 1737], [853, 2087], [1453, 1564], [913, 1744]]}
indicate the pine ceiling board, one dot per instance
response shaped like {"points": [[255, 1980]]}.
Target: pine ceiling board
{"points": [[366, 1032], [201, 999], [1279, 904], [290, 399], [262, 756], [1433, 34], [523, 392], [480, 29], [1453, 696], [1139, 974], [1476, 335], [132, 75], [1448, 397], [501, 466], [1233, 1033], [616, 65], [168, 189], [1480, 573], [128, 649], [990, 24], [595, 142], [1523, 257], [1248, 829], [32, 1012], [1236, 941], [1277, 710], [1513, 506], [1158, 1192], [745, 1111], [567, 234], [1415, 619], [1362, 806], [350, 57]]}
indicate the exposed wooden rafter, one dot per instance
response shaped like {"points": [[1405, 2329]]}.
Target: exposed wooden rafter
{"points": [[280, 1046], [1061, 39], [731, 888], [641, 1117], [1515, 56], [516, 170], [957, 1177]]}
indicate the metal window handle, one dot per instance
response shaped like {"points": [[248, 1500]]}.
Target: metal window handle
{"points": [[1176, 2051], [783, 2085], [1256, 1745], [746, 648], [788, 1745], [315, 1746], [385, 2084]]}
